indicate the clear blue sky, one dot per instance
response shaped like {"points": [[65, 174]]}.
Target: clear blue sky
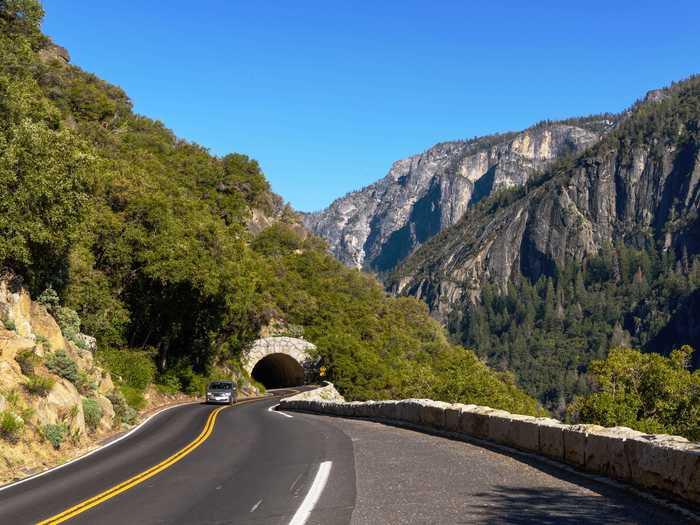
{"points": [[326, 94]]}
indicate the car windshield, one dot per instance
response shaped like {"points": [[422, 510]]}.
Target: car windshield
{"points": [[220, 386]]}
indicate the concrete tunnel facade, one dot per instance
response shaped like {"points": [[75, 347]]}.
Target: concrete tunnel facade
{"points": [[279, 362]]}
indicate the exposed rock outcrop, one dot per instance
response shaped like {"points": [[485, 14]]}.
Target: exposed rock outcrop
{"points": [[33, 392], [380, 225], [629, 188]]}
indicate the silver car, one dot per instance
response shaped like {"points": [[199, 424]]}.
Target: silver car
{"points": [[221, 392]]}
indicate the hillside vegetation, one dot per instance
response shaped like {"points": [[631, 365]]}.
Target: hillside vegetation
{"points": [[146, 238], [597, 252]]}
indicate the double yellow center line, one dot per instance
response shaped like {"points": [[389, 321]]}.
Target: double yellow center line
{"points": [[139, 478]]}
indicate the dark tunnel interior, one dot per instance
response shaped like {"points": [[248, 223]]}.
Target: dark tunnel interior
{"points": [[278, 371]]}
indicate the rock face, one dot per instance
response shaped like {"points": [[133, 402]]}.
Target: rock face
{"points": [[28, 335], [629, 188], [380, 225]]}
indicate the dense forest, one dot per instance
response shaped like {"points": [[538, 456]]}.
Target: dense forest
{"points": [[143, 240], [552, 328]]}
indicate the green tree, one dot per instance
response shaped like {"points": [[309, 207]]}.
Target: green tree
{"points": [[647, 392]]}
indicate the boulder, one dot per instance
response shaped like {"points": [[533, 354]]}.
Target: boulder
{"points": [[15, 306], [107, 419], [83, 358], [11, 344], [10, 375], [63, 403], [44, 325], [105, 384]]}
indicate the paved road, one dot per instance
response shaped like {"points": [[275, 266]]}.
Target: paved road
{"points": [[260, 466]]}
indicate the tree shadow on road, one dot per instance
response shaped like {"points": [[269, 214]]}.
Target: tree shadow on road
{"points": [[548, 506]]}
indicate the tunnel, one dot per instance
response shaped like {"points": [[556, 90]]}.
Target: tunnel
{"points": [[278, 371]]}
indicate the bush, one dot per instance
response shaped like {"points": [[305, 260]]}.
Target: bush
{"points": [[69, 321], [133, 396], [10, 426], [10, 324], [39, 385], [647, 392], [62, 365], [122, 411], [55, 433], [27, 360], [85, 384], [168, 382], [135, 368], [92, 412], [49, 298]]}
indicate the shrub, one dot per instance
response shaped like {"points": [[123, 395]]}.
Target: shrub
{"points": [[49, 298], [27, 360], [122, 411], [190, 382], [61, 364], [40, 339], [92, 412], [10, 324], [55, 433], [133, 396], [12, 397], [69, 321], [168, 382], [647, 392], [39, 385], [135, 368], [84, 383], [10, 426]]}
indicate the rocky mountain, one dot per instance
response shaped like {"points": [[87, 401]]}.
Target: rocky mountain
{"points": [[600, 250], [379, 225], [639, 185]]}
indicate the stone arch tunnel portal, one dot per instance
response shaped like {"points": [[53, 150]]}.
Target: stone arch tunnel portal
{"points": [[278, 370], [279, 362]]}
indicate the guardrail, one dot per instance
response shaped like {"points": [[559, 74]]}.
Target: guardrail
{"points": [[662, 463]]}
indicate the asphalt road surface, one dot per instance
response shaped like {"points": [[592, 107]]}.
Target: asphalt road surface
{"points": [[250, 464]]}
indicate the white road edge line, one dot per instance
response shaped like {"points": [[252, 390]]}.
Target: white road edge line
{"points": [[307, 506], [272, 409], [79, 458]]}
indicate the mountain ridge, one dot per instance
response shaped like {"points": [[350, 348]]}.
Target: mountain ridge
{"points": [[379, 225]]}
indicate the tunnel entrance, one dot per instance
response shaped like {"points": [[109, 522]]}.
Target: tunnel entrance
{"points": [[278, 371]]}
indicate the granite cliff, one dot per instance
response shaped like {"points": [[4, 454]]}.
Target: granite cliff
{"points": [[379, 225], [639, 185], [600, 250]]}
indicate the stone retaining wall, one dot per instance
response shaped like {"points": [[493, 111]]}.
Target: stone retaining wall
{"points": [[667, 464]]}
